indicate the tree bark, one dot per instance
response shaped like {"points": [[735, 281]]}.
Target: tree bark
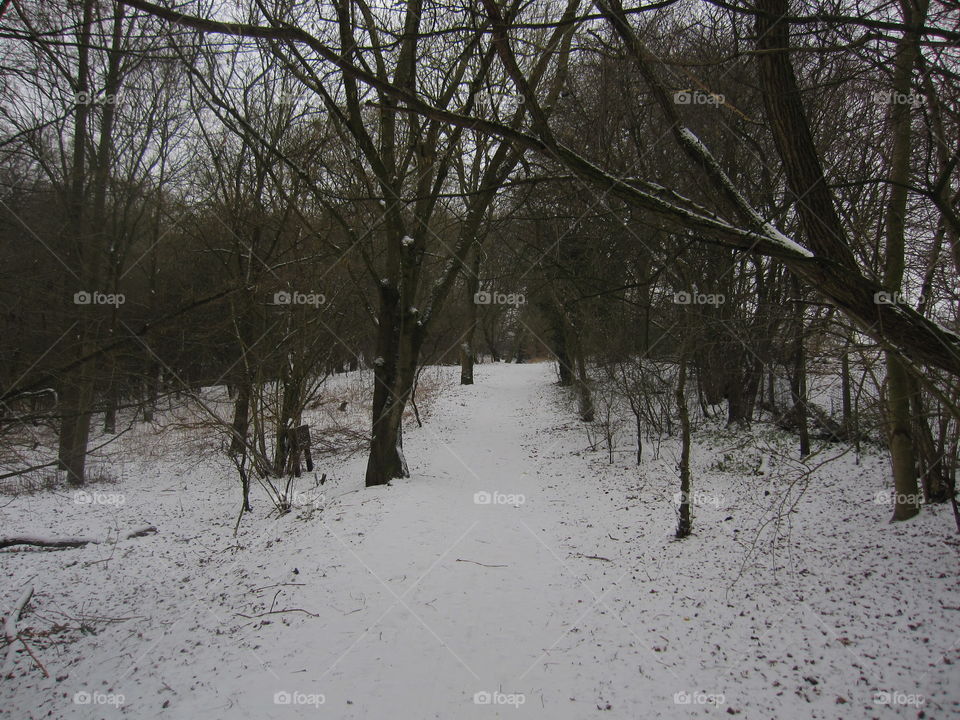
{"points": [[846, 398], [685, 521], [241, 417], [397, 351], [76, 392], [467, 350], [798, 378], [899, 386], [906, 488]]}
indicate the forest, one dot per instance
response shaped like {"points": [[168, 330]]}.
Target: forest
{"points": [[481, 358]]}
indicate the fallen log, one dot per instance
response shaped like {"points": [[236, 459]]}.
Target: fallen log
{"points": [[70, 542]]}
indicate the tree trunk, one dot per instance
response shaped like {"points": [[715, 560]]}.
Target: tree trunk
{"points": [[394, 371], [798, 378], [386, 461], [685, 522], [639, 438], [564, 364], [845, 391], [906, 488], [77, 397], [584, 396], [467, 351], [241, 417], [930, 458], [110, 413], [289, 413], [77, 391], [152, 391]]}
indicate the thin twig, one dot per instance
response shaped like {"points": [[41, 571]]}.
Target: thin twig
{"points": [[278, 612], [480, 563]]}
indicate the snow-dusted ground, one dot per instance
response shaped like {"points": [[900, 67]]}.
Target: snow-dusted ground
{"points": [[565, 596]]}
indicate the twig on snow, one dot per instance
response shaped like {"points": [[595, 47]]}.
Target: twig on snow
{"points": [[480, 563], [278, 612]]}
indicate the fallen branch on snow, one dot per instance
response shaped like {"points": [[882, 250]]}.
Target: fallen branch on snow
{"points": [[277, 612], [40, 541], [12, 634], [480, 563]]}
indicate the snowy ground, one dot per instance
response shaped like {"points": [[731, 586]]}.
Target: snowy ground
{"points": [[565, 596]]}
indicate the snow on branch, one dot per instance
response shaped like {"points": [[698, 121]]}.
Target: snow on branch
{"points": [[10, 631]]}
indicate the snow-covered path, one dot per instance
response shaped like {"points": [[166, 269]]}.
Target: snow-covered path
{"points": [[564, 596], [466, 593]]}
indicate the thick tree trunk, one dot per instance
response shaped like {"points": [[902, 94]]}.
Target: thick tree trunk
{"points": [[394, 371], [467, 351], [740, 394], [77, 386], [90, 237], [77, 398], [386, 461], [560, 349], [906, 487]]}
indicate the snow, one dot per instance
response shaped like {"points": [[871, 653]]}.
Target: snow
{"points": [[769, 229], [406, 241], [414, 600]]}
